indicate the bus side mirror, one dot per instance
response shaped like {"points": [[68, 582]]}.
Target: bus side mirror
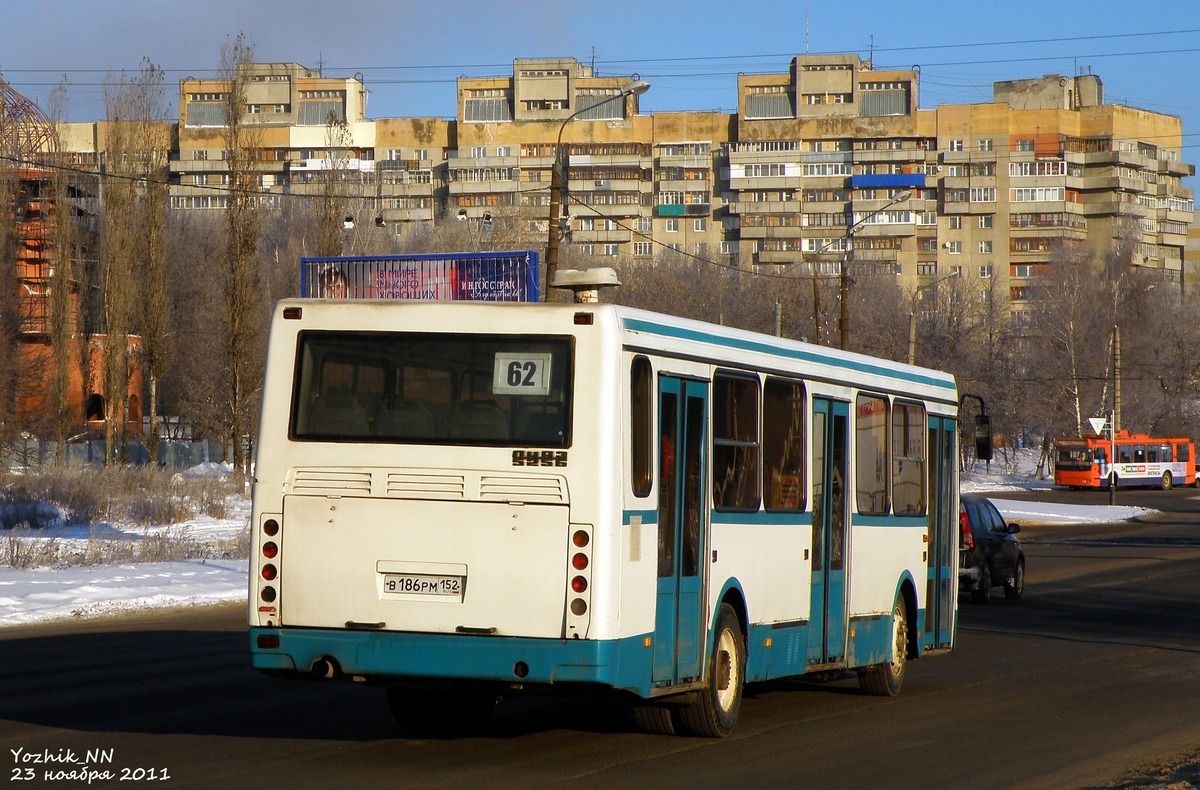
{"points": [[983, 437]]}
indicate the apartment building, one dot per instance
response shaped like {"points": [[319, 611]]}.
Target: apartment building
{"points": [[830, 163]]}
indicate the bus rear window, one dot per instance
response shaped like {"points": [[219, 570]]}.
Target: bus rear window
{"points": [[432, 389]]}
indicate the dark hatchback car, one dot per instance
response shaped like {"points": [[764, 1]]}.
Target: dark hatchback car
{"points": [[989, 553]]}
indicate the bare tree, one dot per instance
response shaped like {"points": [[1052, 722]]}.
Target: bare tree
{"points": [[64, 292], [195, 384], [135, 272], [243, 287]]}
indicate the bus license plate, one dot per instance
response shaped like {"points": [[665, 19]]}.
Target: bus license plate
{"points": [[423, 584]]}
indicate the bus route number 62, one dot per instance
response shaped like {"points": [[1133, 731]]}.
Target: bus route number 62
{"points": [[521, 374]]}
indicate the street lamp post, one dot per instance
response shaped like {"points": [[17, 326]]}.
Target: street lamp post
{"points": [[912, 315], [634, 87], [844, 277]]}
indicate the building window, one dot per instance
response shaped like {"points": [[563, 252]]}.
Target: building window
{"points": [[985, 247], [985, 144], [1024, 144], [700, 225], [644, 225], [954, 247], [642, 249], [985, 271], [672, 226], [611, 249], [954, 145], [985, 221]]}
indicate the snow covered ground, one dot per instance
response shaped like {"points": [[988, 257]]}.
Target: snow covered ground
{"points": [[47, 593]]}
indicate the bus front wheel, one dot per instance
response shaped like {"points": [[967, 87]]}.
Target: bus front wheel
{"points": [[885, 679], [715, 711], [1166, 483]]}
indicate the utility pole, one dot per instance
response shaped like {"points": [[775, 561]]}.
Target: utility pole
{"points": [[1116, 377]]}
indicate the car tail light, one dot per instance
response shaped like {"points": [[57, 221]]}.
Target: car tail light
{"points": [[966, 540]]}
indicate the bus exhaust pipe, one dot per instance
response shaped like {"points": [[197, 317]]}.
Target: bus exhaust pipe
{"points": [[324, 669]]}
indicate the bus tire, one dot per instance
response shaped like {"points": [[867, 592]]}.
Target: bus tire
{"points": [[886, 679], [714, 713], [653, 719], [1166, 482]]}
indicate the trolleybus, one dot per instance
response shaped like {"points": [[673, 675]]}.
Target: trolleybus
{"points": [[461, 502], [1140, 460]]}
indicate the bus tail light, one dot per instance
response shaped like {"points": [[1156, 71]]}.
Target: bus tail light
{"points": [[579, 580], [268, 568]]}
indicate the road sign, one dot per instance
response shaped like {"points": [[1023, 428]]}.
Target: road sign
{"points": [[1097, 424]]}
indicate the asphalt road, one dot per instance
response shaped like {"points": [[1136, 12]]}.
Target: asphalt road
{"points": [[1088, 681]]}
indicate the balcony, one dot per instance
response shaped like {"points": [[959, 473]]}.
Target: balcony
{"points": [[683, 210], [766, 207], [771, 231]]}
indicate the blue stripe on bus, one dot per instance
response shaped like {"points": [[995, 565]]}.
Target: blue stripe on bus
{"points": [[859, 520], [780, 517], [618, 663], [743, 344], [761, 517]]}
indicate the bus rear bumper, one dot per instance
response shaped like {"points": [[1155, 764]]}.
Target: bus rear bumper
{"points": [[381, 656]]}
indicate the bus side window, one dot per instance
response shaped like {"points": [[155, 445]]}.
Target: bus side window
{"points": [[640, 435], [783, 445]]}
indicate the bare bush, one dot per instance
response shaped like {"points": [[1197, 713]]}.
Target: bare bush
{"points": [[147, 497], [24, 548]]}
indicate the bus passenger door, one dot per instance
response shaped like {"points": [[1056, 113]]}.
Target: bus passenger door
{"points": [[680, 627], [827, 616], [941, 576]]}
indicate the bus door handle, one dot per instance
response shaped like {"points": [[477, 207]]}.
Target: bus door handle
{"points": [[357, 626]]}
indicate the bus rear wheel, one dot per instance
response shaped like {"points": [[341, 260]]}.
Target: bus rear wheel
{"points": [[715, 711], [885, 679]]}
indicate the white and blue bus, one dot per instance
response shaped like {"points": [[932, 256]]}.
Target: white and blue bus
{"points": [[462, 502]]}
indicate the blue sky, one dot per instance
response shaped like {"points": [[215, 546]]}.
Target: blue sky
{"points": [[410, 53]]}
